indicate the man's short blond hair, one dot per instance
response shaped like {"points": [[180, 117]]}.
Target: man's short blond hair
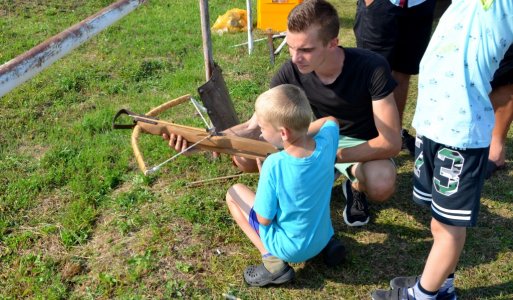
{"points": [[286, 106]]}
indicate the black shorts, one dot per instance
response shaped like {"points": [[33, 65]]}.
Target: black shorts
{"points": [[449, 180], [401, 35], [504, 74]]}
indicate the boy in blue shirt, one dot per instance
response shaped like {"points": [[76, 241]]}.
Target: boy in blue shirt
{"points": [[288, 219]]}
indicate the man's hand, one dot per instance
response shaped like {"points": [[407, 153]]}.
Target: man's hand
{"points": [[178, 143], [259, 162]]}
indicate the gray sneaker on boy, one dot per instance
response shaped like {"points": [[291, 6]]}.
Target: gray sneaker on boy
{"points": [[410, 281]]}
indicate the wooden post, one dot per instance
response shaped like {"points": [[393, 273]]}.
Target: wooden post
{"points": [[214, 93]]}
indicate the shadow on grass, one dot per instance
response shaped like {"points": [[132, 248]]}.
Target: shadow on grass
{"points": [[496, 291]]}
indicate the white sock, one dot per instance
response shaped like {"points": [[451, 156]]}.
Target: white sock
{"points": [[418, 293], [448, 285]]}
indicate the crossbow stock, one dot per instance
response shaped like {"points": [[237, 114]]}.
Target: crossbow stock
{"points": [[204, 139]]}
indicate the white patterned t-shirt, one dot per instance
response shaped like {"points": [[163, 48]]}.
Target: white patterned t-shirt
{"points": [[453, 107]]}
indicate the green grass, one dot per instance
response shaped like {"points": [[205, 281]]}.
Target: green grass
{"points": [[79, 221]]}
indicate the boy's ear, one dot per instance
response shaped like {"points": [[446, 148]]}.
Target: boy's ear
{"points": [[284, 133]]}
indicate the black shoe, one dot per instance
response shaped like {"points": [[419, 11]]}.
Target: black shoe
{"points": [[408, 142], [334, 253], [356, 212]]}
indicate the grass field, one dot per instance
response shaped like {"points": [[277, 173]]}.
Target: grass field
{"points": [[79, 221]]}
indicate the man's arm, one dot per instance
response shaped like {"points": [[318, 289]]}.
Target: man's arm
{"points": [[388, 142], [248, 129]]}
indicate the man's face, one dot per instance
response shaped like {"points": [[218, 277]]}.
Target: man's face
{"points": [[307, 50]]}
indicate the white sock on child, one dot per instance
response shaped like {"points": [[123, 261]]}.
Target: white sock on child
{"points": [[448, 285], [418, 293]]}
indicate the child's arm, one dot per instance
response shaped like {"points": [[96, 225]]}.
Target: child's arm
{"points": [[316, 125]]}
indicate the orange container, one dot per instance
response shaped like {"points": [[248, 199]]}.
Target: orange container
{"points": [[272, 14]]}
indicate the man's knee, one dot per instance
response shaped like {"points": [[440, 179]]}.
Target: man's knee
{"points": [[381, 183], [380, 191], [245, 165]]}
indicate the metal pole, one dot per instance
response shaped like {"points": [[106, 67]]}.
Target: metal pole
{"points": [[207, 40], [250, 26], [30, 63]]}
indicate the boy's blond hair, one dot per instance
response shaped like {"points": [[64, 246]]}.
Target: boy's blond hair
{"points": [[285, 105]]}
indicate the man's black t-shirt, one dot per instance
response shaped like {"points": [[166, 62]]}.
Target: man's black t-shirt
{"points": [[365, 77]]}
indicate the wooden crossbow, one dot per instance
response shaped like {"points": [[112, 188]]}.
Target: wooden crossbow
{"points": [[208, 140]]}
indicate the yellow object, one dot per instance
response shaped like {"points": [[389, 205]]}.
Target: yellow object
{"points": [[234, 20], [272, 14]]}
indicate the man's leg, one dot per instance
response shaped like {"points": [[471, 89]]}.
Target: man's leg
{"points": [[401, 97], [246, 165], [414, 27], [376, 179], [401, 91], [373, 179], [502, 100], [415, 24]]}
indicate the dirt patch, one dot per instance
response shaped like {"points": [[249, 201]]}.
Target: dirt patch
{"points": [[177, 254], [125, 187], [34, 151]]}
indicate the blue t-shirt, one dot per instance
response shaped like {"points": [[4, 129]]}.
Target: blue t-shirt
{"points": [[453, 107], [295, 194]]}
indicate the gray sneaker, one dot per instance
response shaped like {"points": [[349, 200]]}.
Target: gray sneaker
{"points": [[393, 294], [410, 281], [404, 282]]}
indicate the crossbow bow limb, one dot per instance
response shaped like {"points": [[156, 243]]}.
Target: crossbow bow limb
{"points": [[204, 139]]}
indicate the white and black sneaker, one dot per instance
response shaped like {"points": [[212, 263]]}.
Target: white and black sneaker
{"points": [[356, 212]]}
